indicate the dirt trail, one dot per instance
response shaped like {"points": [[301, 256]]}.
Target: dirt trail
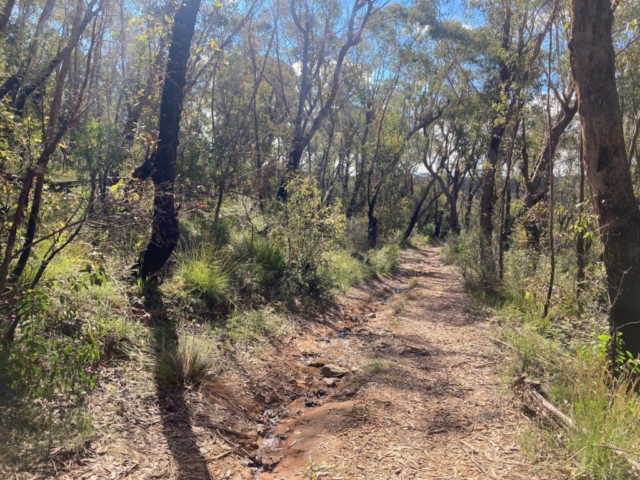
{"points": [[424, 400], [420, 399]]}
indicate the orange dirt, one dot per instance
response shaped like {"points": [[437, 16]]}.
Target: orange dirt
{"points": [[421, 400]]}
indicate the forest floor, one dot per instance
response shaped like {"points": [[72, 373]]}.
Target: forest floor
{"points": [[420, 397]]}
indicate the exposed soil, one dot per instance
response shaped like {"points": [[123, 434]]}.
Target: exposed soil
{"points": [[421, 398]]}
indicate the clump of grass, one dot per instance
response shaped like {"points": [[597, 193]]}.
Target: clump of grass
{"points": [[120, 336], [343, 269], [385, 260], [414, 283], [63, 266], [606, 412], [201, 272], [377, 365], [532, 353], [256, 324], [398, 306], [265, 257], [187, 361]]}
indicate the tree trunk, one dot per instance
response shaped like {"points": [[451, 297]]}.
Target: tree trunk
{"points": [[608, 173], [165, 230], [372, 226], [6, 15], [31, 229], [580, 250], [467, 216], [417, 210]]}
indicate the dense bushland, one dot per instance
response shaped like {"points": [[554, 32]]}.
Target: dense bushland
{"points": [[180, 180]]}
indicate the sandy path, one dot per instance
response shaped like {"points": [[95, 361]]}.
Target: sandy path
{"points": [[425, 401]]}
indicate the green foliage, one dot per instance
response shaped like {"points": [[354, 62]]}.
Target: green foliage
{"points": [[606, 412], [46, 360], [306, 229], [264, 257], [377, 366], [343, 269], [385, 260], [256, 324], [203, 272]]}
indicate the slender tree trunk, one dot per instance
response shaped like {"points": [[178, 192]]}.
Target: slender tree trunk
{"points": [[438, 217], [608, 173], [165, 230], [580, 250], [469, 209], [417, 210], [30, 234], [551, 202], [372, 223], [6, 15]]}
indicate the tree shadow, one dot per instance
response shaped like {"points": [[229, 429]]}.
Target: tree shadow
{"points": [[172, 402]]}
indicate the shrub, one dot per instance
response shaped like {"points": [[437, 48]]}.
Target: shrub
{"points": [[384, 260], [343, 269], [186, 361], [306, 228]]}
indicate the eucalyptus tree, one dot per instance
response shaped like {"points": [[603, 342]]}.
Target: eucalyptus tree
{"points": [[523, 28], [607, 166], [315, 40]]}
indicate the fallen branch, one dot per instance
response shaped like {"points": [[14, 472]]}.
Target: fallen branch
{"points": [[529, 390]]}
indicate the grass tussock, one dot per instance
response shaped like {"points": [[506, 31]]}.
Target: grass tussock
{"points": [[204, 272], [344, 270], [187, 360], [254, 325]]}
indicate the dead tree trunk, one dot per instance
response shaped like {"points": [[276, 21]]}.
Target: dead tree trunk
{"points": [[165, 230], [608, 173]]}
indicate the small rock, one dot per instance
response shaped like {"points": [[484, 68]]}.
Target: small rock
{"points": [[333, 371], [330, 382], [318, 362]]}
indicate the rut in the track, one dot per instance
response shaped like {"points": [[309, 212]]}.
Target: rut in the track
{"points": [[424, 400]]}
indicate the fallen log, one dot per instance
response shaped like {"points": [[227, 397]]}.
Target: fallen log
{"points": [[530, 390]]}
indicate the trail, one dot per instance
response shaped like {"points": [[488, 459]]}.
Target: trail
{"points": [[425, 401], [420, 399]]}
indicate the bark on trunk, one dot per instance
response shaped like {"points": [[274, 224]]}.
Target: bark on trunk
{"points": [[580, 250], [165, 230], [469, 209], [608, 173], [417, 211], [6, 15]]}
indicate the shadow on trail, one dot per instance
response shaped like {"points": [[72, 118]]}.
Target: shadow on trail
{"points": [[174, 410]]}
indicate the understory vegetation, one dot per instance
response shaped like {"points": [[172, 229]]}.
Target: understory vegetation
{"points": [[566, 353], [182, 183]]}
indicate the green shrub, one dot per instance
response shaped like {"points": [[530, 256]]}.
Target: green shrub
{"points": [[306, 229], [48, 358], [344, 270], [385, 260], [187, 361]]}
